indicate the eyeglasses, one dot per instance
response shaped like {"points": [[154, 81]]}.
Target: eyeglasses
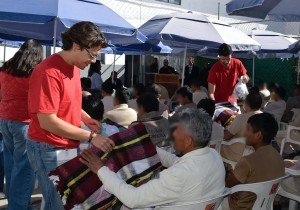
{"points": [[92, 56]]}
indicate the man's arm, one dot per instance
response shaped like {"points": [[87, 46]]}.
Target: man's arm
{"points": [[239, 175], [245, 78], [92, 124], [156, 192], [211, 91], [166, 158], [243, 73], [59, 127], [233, 129], [84, 116], [227, 135], [231, 180]]}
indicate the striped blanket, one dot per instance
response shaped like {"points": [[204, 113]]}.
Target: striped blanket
{"points": [[134, 159]]}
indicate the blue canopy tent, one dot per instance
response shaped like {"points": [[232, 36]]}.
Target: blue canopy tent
{"points": [[195, 31], [295, 48], [44, 20], [144, 49], [273, 44], [277, 10]]}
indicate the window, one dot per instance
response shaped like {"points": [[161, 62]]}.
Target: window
{"points": [[178, 2]]}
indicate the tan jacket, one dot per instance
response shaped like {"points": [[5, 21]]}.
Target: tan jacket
{"points": [[122, 115]]}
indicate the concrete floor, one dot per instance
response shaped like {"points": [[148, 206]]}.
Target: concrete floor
{"points": [[36, 200]]}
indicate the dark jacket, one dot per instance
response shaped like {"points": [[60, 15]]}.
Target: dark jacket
{"points": [[116, 84], [167, 70], [195, 73]]}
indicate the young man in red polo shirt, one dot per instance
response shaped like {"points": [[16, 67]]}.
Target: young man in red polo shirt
{"points": [[224, 75], [54, 100]]}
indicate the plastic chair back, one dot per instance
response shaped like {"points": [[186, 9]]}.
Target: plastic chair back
{"points": [[248, 150], [265, 192], [288, 137], [209, 204]]}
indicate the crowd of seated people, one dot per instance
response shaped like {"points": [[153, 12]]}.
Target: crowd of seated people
{"points": [[257, 123]]}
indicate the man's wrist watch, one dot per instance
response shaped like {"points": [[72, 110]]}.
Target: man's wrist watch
{"points": [[91, 136]]}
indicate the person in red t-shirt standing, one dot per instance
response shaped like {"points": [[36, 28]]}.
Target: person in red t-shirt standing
{"points": [[224, 75], [55, 108], [14, 120]]}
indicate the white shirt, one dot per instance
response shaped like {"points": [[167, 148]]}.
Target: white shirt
{"points": [[197, 175], [276, 108], [265, 93], [108, 103], [198, 96], [96, 81]]}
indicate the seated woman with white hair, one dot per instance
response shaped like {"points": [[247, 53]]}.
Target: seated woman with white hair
{"points": [[197, 175]]}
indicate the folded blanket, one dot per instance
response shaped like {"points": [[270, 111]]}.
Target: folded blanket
{"points": [[134, 159], [224, 116]]}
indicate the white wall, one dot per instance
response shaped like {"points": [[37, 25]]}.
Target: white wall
{"points": [[9, 53]]}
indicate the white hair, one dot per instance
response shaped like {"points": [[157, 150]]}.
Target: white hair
{"points": [[199, 124]]}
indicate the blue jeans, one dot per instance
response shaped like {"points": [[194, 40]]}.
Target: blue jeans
{"points": [[43, 159], [19, 176], [1, 165]]}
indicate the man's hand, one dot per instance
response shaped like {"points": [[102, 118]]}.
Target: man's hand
{"points": [[92, 124], [91, 160], [103, 143], [245, 78]]}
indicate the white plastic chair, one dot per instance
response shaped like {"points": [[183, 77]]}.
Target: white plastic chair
{"points": [[288, 139], [296, 113], [209, 204], [248, 150], [265, 192], [294, 200]]}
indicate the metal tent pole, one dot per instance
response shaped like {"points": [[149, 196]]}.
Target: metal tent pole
{"points": [[4, 53], [253, 69], [54, 35], [132, 70], [183, 65], [114, 66]]}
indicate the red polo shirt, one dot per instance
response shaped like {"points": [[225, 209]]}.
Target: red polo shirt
{"points": [[225, 79], [54, 88]]}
